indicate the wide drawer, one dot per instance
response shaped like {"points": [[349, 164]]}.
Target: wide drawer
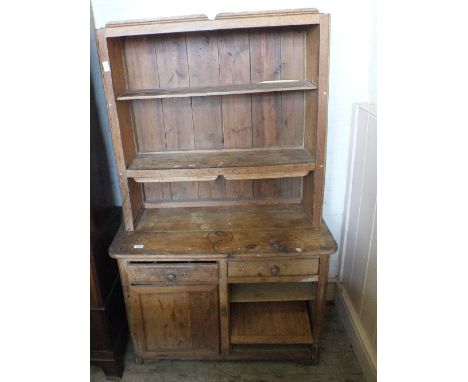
{"points": [[172, 273], [293, 267]]}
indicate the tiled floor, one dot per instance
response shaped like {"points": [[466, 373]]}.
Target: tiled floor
{"points": [[337, 364]]}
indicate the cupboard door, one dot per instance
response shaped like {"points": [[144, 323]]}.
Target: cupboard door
{"points": [[180, 320]]}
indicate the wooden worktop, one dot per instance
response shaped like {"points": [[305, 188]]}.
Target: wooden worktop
{"points": [[219, 232]]}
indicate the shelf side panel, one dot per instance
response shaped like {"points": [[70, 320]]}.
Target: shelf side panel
{"points": [[123, 136], [322, 120], [312, 39]]}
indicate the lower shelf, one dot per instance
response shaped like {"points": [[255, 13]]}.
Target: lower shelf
{"points": [[285, 322], [272, 352], [272, 292]]}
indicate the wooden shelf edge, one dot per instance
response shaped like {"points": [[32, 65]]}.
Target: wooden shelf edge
{"points": [[197, 23], [163, 176], [205, 91], [251, 323], [241, 164], [223, 202], [278, 340], [272, 292], [271, 279]]}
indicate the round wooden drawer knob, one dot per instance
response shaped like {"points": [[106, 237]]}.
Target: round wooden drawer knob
{"points": [[170, 277], [274, 270]]}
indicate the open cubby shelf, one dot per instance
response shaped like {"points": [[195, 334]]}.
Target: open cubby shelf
{"points": [[231, 164], [204, 91], [280, 322], [272, 292]]}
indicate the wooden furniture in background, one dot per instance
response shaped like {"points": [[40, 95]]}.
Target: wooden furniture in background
{"points": [[219, 130], [108, 321]]}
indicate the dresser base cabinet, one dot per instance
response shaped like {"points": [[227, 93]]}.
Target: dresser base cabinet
{"points": [[262, 319]]}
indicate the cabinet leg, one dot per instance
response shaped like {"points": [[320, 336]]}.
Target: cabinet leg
{"points": [[138, 359], [113, 369], [314, 360], [320, 299]]}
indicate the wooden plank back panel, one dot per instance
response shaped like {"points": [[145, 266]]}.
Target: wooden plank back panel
{"points": [[157, 191], [172, 61], [235, 190], [265, 53], [202, 54], [141, 71], [235, 121], [292, 103], [234, 68]]}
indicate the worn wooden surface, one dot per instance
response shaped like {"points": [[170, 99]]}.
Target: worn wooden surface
{"points": [[279, 322], [205, 91], [218, 232], [322, 118], [213, 115], [338, 363], [232, 164], [222, 21], [275, 267], [175, 319], [272, 292], [123, 153], [172, 273], [212, 63]]}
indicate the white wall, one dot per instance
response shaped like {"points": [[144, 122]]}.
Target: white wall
{"points": [[352, 69], [358, 288]]}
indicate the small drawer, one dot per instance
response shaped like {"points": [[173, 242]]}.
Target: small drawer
{"points": [[170, 273], [294, 267]]}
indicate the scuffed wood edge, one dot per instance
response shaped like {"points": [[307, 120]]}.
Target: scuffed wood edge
{"points": [[198, 24], [282, 12], [322, 120], [115, 131], [221, 203]]}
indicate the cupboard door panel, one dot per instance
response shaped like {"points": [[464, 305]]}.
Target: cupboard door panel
{"points": [[176, 319]]}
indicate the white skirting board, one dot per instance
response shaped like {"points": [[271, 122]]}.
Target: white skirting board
{"points": [[362, 348]]}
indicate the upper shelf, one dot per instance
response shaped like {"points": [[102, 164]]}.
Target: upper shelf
{"points": [[242, 164], [203, 91]]}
